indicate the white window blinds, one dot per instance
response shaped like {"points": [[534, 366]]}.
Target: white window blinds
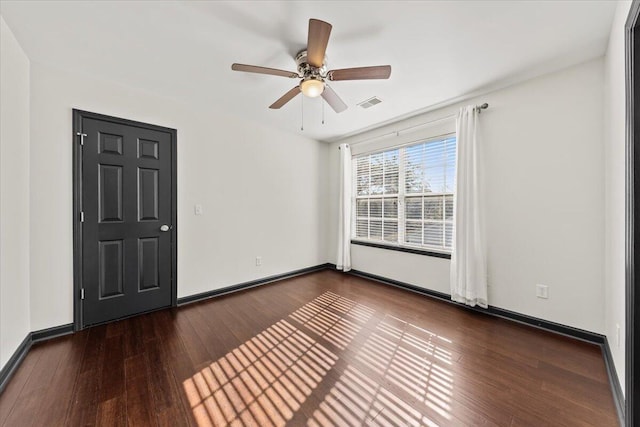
{"points": [[377, 183], [404, 196]]}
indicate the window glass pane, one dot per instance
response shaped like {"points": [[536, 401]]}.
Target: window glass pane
{"points": [[376, 184], [376, 164], [450, 164], [413, 232], [434, 153], [413, 207], [362, 164], [433, 234], [449, 180], [363, 185], [375, 208], [390, 231], [414, 168], [391, 208], [448, 207], [413, 177], [430, 167], [391, 184], [375, 230], [434, 179], [448, 234], [362, 228], [433, 207], [391, 158], [362, 207], [391, 168], [362, 175]]}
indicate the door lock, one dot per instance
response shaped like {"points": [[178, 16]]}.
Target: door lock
{"points": [[165, 227]]}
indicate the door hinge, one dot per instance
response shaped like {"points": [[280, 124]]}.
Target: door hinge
{"points": [[81, 135], [82, 293], [82, 216]]}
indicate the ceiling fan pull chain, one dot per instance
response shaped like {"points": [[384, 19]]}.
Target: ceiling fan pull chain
{"points": [[322, 111], [302, 113]]}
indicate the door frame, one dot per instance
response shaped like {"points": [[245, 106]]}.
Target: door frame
{"points": [[632, 223], [78, 115]]}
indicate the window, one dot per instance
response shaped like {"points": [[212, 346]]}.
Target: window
{"points": [[404, 196]]}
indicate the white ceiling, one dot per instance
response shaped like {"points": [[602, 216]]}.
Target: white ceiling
{"points": [[438, 51]]}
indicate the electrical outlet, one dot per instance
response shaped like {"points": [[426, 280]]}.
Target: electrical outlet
{"points": [[258, 261], [197, 209], [542, 291], [618, 335]]}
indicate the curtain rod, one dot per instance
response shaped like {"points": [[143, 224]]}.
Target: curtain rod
{"points": [[397, 132]]}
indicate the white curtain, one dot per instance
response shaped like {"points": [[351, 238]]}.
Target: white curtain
{"points": [[468, 258], [344, 225]]}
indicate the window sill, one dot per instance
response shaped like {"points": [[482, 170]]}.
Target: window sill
{"points": [[402, 249]]}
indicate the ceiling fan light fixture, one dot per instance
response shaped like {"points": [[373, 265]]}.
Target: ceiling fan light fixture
{"points": [[312, 87]]}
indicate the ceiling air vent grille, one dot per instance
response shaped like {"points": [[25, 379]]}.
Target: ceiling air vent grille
{"points": [[370, 102]]}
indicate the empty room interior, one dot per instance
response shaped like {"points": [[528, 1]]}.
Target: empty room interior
{"points": [[322, 213]]}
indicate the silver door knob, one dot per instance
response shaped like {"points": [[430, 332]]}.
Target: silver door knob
{"points": [[164, 228]]}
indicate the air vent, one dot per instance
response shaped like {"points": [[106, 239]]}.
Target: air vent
{"points": [[370, 102]]}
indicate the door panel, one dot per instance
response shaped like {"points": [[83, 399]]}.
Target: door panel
{"points": [[148, 194], [110, 193], [110, 263], [148, 263], [126, 198]]}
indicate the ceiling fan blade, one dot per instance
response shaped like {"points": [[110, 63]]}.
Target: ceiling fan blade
{"points": [[317, 40], [333, 99], [285, 98], [361, 73], [264, 70]]}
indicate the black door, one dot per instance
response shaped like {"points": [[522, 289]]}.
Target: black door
{"points": [[127, 206]]}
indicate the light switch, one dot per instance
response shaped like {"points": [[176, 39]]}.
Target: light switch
{"points": [[197, 209]]}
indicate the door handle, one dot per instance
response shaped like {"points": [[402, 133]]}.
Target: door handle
{"points": [[165, 227]]}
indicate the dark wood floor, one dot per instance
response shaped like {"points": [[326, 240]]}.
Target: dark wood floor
{"points": [[324, 349]]}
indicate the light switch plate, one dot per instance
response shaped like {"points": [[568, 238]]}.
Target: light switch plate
{"points": [[542, 291]]}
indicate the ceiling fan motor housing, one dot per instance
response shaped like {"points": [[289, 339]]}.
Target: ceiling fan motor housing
{"points": [[307, 70]]}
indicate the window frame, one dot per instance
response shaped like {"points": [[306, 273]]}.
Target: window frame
{"points": [[401, 245]]}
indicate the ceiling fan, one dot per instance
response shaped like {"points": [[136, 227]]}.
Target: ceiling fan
{"points": [[312, 70]]}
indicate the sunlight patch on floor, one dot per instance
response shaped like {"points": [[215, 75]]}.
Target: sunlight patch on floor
{"points": [[398, 374], [261, 382], [334, 318]]}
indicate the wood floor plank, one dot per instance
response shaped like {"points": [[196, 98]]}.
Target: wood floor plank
{"points": [[216, 340], [55, 404], [139, 400], [34, 393], [112, 381], [163, 387], [320, 349], [84, 403], [112, 412], [177, 365], [192, 344], [10, 395]]}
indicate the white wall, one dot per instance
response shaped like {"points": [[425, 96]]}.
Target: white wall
{"points": [[14, 194], [614, 143], [261, 191], [542, 157]]}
